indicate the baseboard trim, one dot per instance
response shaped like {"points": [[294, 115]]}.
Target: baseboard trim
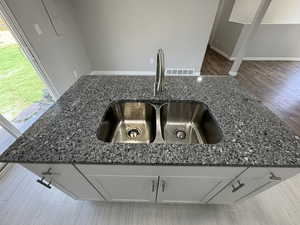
{"points": [[233, 74], [124, 73], [221, 52], [289, 59], [129, 73]]}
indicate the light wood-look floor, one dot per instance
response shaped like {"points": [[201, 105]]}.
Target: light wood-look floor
{"points": [[24, 202]]}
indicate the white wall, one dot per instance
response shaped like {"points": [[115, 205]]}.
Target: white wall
{"points": [[122, 35], [60, 54], [276, 41], [279, 12], [270, 41]]}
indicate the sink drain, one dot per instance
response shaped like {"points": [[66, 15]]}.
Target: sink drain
{"points": [[180, 134], [133, 133]]}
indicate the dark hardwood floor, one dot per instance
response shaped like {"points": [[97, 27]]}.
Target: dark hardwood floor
{"points": [[276, 83], [215, 64]]}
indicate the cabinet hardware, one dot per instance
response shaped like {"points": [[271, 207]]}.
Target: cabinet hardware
{"points": [[49, 173], [238, 187], [274, 177], [153, 186], [163, 186], [42, 182]]}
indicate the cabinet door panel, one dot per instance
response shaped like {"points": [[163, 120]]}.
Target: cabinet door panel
{"points": [[126, 188], [254, 181], [239, 189], [67, 179], [201, 182], [187, 189]]}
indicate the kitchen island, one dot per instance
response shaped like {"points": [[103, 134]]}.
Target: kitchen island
{"points": [[256, 146]]}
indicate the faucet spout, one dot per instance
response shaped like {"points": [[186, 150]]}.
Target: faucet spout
{"points": [[160, 72]]}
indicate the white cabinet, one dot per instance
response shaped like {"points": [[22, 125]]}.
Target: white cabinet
{"points": [[188, 189], [158, 183], [122, 183], [162, 184], [126, 188], [251, 182], [66, 178]]}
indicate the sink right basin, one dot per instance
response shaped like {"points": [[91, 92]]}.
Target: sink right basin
{"points": [[188, 122]]}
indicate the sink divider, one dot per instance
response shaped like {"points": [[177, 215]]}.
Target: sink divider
{"points": [[158, 138]]}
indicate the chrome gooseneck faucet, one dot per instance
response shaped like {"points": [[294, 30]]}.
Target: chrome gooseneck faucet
{"points": [[159, 84]]}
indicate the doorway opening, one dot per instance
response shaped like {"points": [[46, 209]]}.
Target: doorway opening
{"points": [[214, 63]]}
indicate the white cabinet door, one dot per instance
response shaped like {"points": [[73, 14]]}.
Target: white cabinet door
{"points": [[188, 189], [126, 188], [66, 178], [238, 189], [140, 183], [252, 182]]}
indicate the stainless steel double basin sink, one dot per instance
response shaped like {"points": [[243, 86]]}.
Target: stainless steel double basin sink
{"points": [[174, 122]]}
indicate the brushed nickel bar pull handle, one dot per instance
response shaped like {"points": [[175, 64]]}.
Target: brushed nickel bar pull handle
{"points": [[163, 186], [153, 186], [42, 182], [50, 173], [238, 187], [273, 177]]}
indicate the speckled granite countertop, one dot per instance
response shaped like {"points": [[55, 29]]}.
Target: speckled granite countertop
{"points": [[66, 133]]}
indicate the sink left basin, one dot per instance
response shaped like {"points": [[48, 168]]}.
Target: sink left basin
{"points": [[128, 122]]}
